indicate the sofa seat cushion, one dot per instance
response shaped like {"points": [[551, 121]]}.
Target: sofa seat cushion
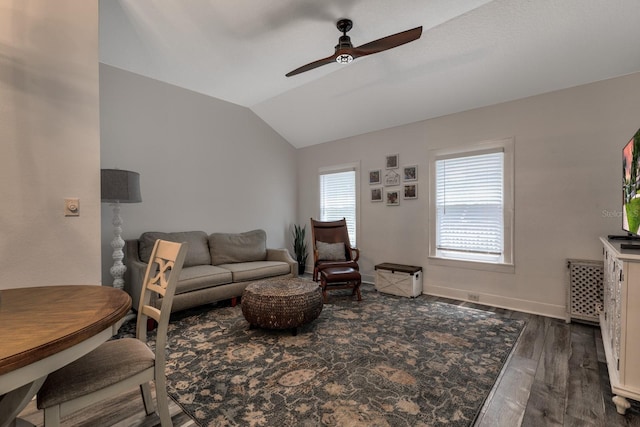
{"points": [[244, 271], [201, 277], [229, 248], [197, 251]]}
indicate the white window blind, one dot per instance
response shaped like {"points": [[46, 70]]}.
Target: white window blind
{"points": [[338, 199], [470, 206]]}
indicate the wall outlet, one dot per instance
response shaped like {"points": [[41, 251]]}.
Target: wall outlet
{"points": [[473, 297], [72, 207]]}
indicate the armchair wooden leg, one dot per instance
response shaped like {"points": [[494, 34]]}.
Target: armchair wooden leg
{"points": [[323, 287]]}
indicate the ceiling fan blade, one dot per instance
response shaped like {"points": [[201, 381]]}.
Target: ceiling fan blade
{"points": [[312, 65], [388, 42]]}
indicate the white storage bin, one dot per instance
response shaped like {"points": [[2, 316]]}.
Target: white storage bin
{"points": [[399, 279]]}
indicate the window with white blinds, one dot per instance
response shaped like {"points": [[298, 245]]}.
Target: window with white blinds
{"points": [[338, 198], [472, 204], [469, 202]]}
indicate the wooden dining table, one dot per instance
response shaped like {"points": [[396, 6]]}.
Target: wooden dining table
{"points": [[45, 328]]}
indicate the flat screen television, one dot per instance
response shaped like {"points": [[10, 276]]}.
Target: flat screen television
{"points": [[631, 185]]}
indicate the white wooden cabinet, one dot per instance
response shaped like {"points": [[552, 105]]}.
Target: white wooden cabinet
{"points": [[620, 321]]}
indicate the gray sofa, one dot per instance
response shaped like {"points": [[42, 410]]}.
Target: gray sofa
{"points": [[217, 267]]}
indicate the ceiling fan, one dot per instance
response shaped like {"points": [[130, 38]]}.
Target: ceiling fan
{"points": [[345, 52]]}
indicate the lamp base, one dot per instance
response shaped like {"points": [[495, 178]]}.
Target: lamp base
{"points": [[118, 269]]}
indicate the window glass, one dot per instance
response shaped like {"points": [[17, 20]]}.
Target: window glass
{"points": [[338, 199], [472, 203], [469, 215]]}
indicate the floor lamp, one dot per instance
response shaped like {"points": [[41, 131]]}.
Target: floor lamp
{"points": [[119, 186]]}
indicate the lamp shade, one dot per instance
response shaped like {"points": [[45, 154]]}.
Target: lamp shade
{"points": [[118, 185]]}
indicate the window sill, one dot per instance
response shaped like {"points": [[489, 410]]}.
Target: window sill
{"points": [[472, 265]]}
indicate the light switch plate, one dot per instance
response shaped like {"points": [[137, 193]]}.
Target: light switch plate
{"points": [[72, 207]]}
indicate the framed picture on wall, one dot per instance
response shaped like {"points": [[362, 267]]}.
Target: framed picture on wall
{"points": [[392, 161], [393, 197], [391, 178], [410, 173], [376, 194], [375, 177], [410, 191]]}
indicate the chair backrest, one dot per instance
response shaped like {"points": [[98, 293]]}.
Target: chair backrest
{"points": [[331, 232], [161, 277]]}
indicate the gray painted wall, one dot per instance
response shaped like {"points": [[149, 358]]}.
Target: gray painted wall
{"points": [[204, 164], [567, 189], [50, 143]]}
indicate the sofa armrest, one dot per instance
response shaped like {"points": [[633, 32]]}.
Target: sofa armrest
{"points": [[134, 276], [284, 256]]}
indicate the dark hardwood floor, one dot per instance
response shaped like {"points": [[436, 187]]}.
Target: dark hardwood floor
{"points": [[556, 376]]}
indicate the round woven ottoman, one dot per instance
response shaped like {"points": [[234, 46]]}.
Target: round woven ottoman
{"points": [[281, 303]]}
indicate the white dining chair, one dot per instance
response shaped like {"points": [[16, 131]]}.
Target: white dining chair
{"points": [[117, 365]]}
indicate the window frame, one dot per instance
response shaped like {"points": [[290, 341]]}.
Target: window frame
{"points": [[506, 145], [345, 167]]}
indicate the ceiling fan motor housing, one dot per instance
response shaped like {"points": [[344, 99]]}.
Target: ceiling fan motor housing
{"points": [[344, 42]]}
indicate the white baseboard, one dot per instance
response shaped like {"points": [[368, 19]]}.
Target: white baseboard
{"points": [[526, 306], [366, 278], [498, 301]]}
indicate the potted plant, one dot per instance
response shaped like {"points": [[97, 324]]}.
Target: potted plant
{"points": [[300, 247]]}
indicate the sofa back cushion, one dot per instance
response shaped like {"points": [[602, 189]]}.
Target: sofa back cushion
{"points": [[227, 248], [197, 251]]}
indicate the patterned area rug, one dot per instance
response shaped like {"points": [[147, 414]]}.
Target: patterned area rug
{"points": [[384, 361]]}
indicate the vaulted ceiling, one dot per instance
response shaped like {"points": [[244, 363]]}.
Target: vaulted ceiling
{"points": [[472, 53]]}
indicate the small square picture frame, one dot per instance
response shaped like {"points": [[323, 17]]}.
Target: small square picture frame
{"points": [[391, 178], [392, 197], [391, 161], [376, 194], [410, 191], [375, 176], [409, 173]]}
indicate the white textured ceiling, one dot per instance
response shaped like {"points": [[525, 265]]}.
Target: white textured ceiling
{"points": [[472, 53]]}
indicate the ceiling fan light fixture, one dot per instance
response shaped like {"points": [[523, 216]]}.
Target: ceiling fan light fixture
{"points": [[345, 53], [344, 58]]}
